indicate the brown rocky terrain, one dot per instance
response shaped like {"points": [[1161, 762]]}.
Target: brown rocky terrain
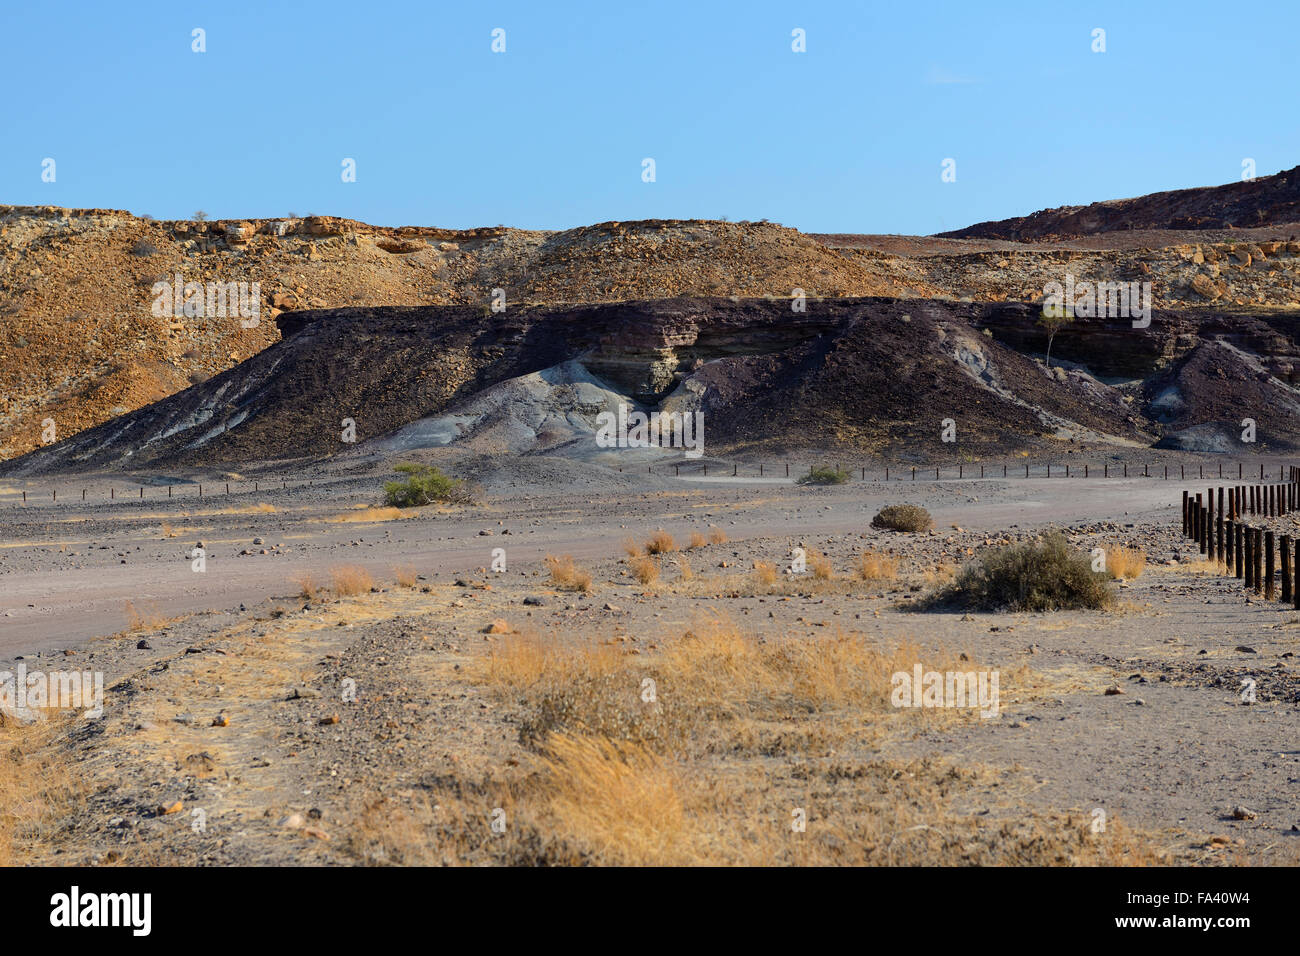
{"points": [[1263, 201], [79, 343]]}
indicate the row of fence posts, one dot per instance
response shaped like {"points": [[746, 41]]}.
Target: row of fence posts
{"points": [[1120, 470], [1246, 552], [112, 492]]}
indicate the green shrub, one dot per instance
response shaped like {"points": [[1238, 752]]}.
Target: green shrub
{"points": [[903, 518], [424, 485], [1043, 575], [824, 476]]}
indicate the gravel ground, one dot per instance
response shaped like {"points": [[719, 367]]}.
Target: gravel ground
{"points": [[295, 765]]}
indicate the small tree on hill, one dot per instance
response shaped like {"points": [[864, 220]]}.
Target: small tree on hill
{"points": [[1053, 319]]}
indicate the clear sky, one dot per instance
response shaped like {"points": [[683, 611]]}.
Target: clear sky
{"points": [[849, 136]]}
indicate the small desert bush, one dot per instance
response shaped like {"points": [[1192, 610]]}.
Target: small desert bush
{"points": [[1043, 575], [698, 540], [566, 575], [424, 485], [874, 566], [903, 518], [645, 569], [1126, 563], [717, 536], [661, 542], [630, 547], [824, 476], [765, 573], [348, 580], [405, 576]]}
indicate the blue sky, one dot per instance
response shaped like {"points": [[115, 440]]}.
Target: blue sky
{"points": [[847, 137]]}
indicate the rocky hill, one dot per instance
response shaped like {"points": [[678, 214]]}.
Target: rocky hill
{"points": [[857, 376], [1264, 201], [80, 343]]}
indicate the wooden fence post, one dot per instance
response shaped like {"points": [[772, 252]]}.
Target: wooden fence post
{"points": [[1285, 542], [1295, 591], [1249, 577], [1230, 556], [1218, 535], [1268, 566], [1259, 548], [1241, 553]]}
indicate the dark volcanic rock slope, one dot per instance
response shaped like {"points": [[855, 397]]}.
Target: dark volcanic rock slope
{"points": [[865, 376], [1266, 201]]}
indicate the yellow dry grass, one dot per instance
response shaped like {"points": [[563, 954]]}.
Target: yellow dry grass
{"points": [[1126, 563], [765, 573], [366, 513], [308, 586], [143, 616], [645, 569], [698, 540], [37, 788], [405, 575], [618, 800], [874, 566], [567, 575], [682, 773], [349, 580], [684, 570], [717, 536], [820, 566], [661, 542]]}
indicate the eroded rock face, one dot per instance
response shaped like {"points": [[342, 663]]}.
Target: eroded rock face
{"points": [[868, 376]]}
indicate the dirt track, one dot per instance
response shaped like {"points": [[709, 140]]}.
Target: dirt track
{"points": [[53, 599]]}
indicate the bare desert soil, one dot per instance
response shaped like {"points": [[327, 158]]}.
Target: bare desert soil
{"points": [[254, 713]]}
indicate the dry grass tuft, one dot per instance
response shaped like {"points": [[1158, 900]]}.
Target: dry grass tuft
{"points": [[619, 800], [368, 513], [567, 575], [348, 580], [1126, 563], [630, 547], [661, 542], [717, 536], [37, 789], [684, 569], [820, 566], [405, 575], [143, 617], [308, 587], [645, 569], [698, 540], [765, 573], [874, 566]]}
